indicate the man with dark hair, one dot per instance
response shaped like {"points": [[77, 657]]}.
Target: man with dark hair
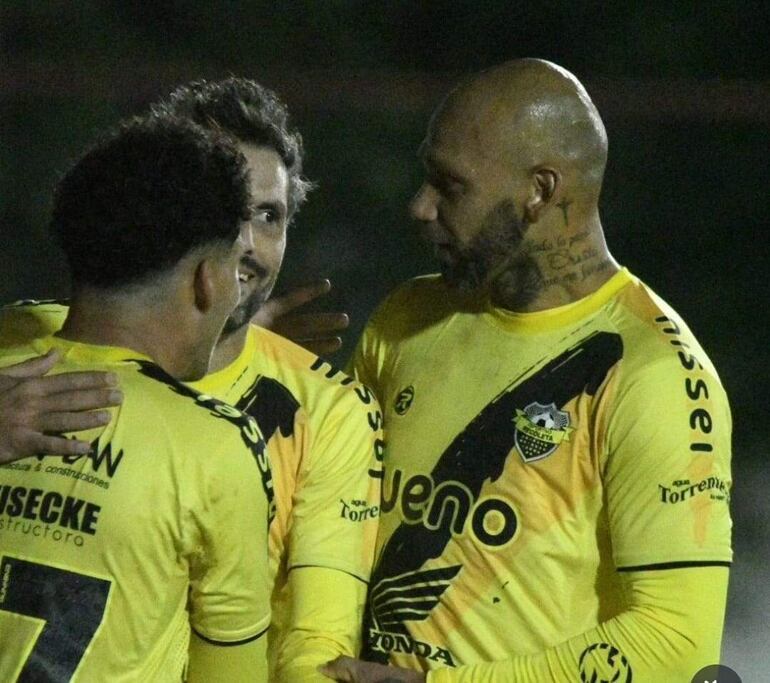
{"points": [[324, 430], [555, 505], [162, 525]]}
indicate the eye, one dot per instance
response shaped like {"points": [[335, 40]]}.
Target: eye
{"points": [[448, 186], [266, 216]]}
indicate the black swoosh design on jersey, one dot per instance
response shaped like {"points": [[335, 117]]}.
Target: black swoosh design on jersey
{"points": [[478, 454], [411, 596], [220, 409], [272, 405]]}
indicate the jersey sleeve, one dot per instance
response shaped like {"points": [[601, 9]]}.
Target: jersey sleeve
{"points": [[209, 663], [667, 469], [671, 628], [337, 496], [326, 608], [226, 539]]}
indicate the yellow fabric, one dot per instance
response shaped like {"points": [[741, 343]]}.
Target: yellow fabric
{"points": [[326, 596], [325, 439], [114, 555], [529, 457], [670, 629], [233, 664], [324, 434]]}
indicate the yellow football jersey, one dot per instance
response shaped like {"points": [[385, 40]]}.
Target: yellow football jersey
{"points": [[531, 458], [324, 436], [107, 559]]}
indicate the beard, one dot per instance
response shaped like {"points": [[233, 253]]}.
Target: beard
{"points": [[253, 301], [494, 249], [245, 311]]}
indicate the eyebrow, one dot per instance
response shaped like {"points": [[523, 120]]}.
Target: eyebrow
{"points": [[278, 207]]}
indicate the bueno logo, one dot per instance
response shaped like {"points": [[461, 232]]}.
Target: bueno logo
{"points": [[604, 663], [451, 505]]}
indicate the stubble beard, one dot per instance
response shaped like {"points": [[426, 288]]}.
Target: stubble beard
{"points": [[496, 261], [244, 312]]}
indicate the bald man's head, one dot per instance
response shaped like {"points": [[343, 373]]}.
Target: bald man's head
{"points": [[529, 113], [514, 159]]}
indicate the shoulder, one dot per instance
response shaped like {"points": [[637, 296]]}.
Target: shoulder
{"points": [[162, 402], [413, 296], [418, 305], [661, 356], [25, 320], [653, 332], [317, 384]]}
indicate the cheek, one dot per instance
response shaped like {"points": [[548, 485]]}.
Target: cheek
{"points": [[271, 253]]}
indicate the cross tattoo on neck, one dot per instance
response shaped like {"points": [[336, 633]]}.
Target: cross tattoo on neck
{"points": [[564, 205]]}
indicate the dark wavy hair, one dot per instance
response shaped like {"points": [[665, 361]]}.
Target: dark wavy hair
{"points": [[145, 195], [249, 112]]}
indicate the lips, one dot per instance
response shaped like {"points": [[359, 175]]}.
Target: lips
{"points": [[248, 269]]}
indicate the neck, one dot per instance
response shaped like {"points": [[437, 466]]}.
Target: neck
{"points": [[228, 348], [555, 268], [107, 320]]}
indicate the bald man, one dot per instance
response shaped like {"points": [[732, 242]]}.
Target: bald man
{"points": [[555, 500]]}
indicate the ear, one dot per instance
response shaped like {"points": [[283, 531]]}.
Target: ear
{"points": [[203, 286], [545, 183]]}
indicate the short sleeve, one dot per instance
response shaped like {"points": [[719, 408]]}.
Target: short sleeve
{"points": [[228, 526], [337, 501], [667, 473]]}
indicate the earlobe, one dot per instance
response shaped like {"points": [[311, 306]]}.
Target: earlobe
{"points": [[203, 286], [545, 183]]}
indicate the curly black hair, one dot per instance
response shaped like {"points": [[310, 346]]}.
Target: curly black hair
{"points": [[146, 194], [249, 112]]}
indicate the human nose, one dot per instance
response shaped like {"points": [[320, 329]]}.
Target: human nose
{"points": [[423, 205], [249, 237]]}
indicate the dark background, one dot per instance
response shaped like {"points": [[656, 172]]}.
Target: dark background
{"points": [[684, 88]]}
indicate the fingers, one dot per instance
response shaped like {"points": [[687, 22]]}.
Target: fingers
{"points": [[305, 294], [67, 382], [281, 305], [35, 443], [73, 422], [81, 399], [303, 326], [340, 669], [56, 445], [34, 367]]}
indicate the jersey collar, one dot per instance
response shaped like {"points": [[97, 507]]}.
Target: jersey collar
{"points": [[542, 321], [80, 352]]}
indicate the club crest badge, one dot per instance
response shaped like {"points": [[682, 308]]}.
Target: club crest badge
{"points": [[540, 430]]}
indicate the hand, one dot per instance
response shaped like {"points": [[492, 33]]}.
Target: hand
{"points": [[317, 332], [32, 406], [351, 670]]}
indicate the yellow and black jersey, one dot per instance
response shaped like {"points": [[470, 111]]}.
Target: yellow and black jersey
{"points": [[324, 436], [108, 559], [531, 460]]}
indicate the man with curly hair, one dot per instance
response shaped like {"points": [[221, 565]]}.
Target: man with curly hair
{"points": [[324, 430], [110, 558]]}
